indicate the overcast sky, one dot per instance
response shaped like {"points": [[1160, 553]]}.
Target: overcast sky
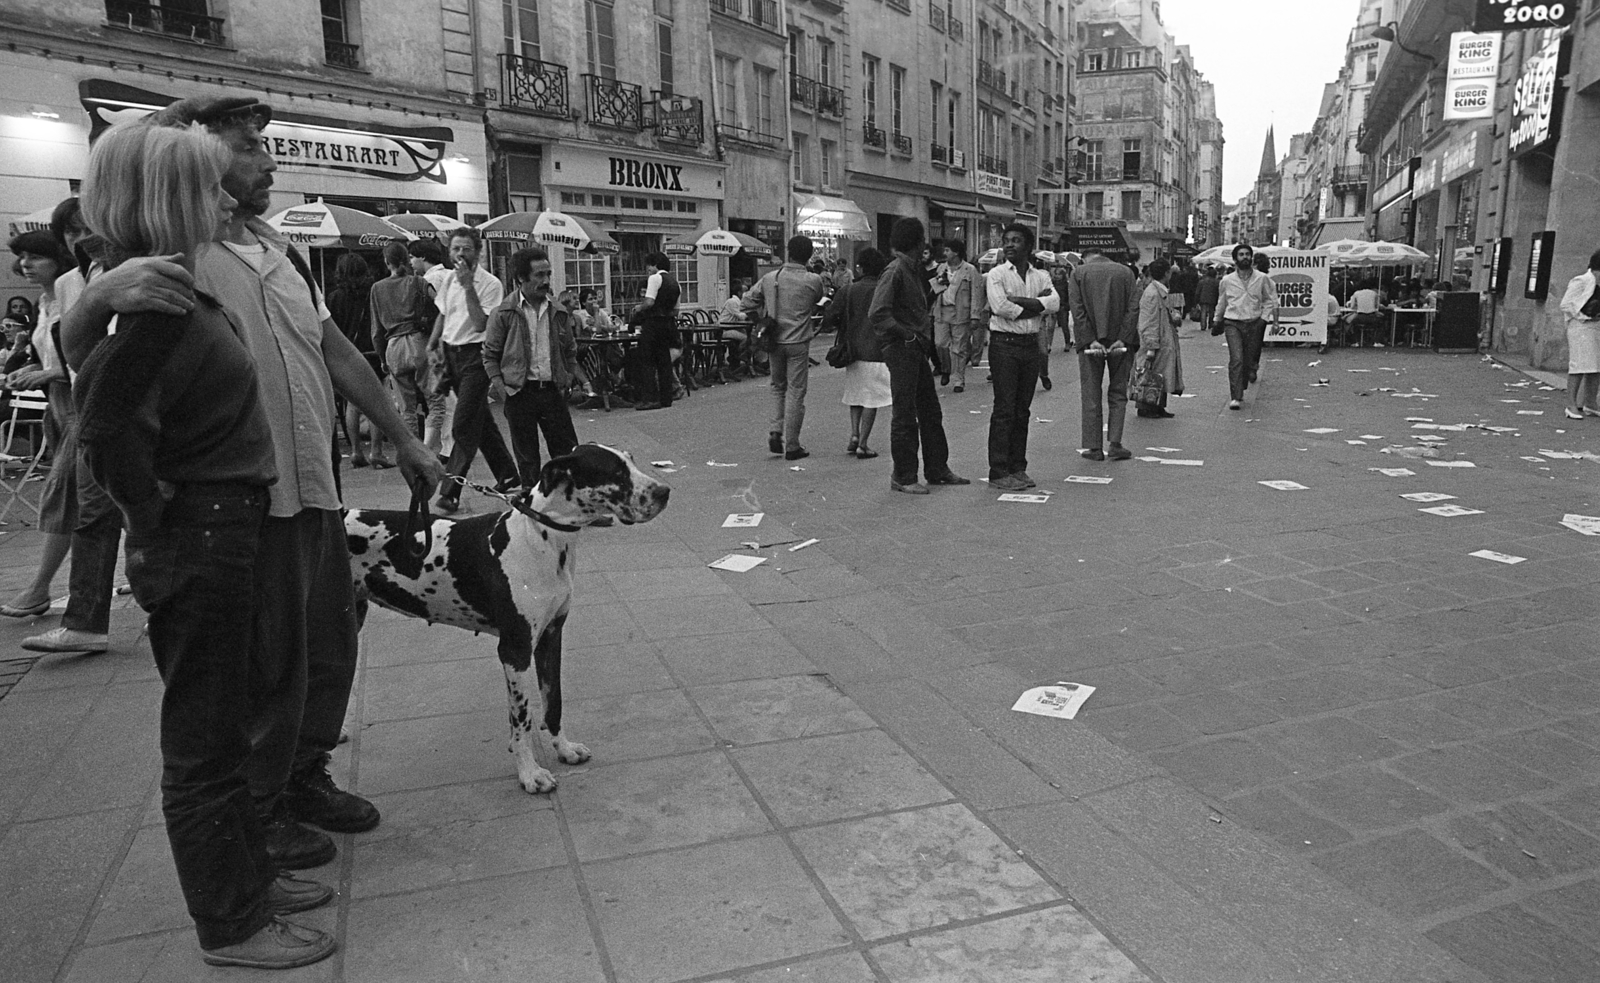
{"points": [[1269, 66]]}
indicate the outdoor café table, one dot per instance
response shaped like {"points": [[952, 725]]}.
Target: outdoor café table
{"points": [[593, 351], [1426, 320]]}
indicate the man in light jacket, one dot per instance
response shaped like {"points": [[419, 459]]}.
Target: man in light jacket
{"points": [[790, 294], [953, 312], [531, 358], [1105, 327]]}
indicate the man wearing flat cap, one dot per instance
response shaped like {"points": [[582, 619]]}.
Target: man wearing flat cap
{"points": [[303, 637]]}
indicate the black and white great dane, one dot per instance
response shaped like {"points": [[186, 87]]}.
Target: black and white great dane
{"points": [[508, 574]]}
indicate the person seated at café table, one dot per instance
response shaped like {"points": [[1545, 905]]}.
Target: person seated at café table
{"points": [[737, 341], [1366, 310]]}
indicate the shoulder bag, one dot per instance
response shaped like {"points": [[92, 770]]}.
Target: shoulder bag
{"points": [[767, 327]]}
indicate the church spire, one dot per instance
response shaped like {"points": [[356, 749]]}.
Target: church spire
{"points": [[1269, 158]]}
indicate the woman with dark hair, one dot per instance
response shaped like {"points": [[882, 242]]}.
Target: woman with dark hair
{"points": [[1158, 338], [350, 303], [42, 259], [866, 379], [18, 328]]}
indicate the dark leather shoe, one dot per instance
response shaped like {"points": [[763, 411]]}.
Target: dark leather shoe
{"points": [[1026, 479], [796, 454], [1119, 453], [910, 487], [312, 797], [1094, 454], [949, 478], [775, 443], [1044, 381], [291, 846]]}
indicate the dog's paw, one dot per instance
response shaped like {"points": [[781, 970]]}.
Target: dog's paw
{"points": [[537, 781], [570, 753]]}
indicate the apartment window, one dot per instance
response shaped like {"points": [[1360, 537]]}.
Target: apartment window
{"points": [[664, 56], [1094, 61], [897, 97], [1372, 68], [955, 114], [766, 81], [801, 158], [522, 182], [587, 271], [828, 150], [1135, 59], [933, 115], [338, 46], [1130, 205], [824, 62], [1094, 160], [797, 52], [869, 88], [687, 270], [521, 19], [1094, 205], [1132, 157], [602, 38], [728, 90]]}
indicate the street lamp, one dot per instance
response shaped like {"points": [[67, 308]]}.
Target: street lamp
{"points": [[1386, 33]]}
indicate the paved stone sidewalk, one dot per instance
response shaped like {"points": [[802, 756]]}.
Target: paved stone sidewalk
{"points": [[1327, 744]]}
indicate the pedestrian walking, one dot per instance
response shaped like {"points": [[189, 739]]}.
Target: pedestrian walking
{"points": [[788, 294], [531, 357], [172, 401], [465, 299], [1021, 296], [1060, 274], [953, 299], [1245, 299], [1581, 305], [657, 319], [899, 315], [1206, 294], [402, 314], [866, 378], [1105, 325], [1158, 338], [428, 261], [301, 633], [350, 303]]}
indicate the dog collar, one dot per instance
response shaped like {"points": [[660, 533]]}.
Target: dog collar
{"points": [[544, 520]]}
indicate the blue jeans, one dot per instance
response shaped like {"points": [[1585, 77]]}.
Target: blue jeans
{"points": [[195, 576], [917, 417], [1245, 339], [1014, 361], [790, 378]]}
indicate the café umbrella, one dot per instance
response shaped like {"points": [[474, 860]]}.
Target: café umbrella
{"points": [[425, 223], [1340, 248], [38, 221], [717, 242], [321, 225], [1382, 254], [550, 229]]}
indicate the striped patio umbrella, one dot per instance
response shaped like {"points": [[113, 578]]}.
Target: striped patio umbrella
{"points": [[1383, 254], [38, 221], [717, 242], [326, 226], [424, 223], [551, 229]]}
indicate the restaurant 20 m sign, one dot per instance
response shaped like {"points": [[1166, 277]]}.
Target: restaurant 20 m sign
{"points": [[299, 142]]}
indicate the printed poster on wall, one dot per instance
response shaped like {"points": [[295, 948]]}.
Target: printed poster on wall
{"points": [[1301, 279]]}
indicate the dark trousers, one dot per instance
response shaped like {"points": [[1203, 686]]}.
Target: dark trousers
{"points": [[1244, 352], [1014, 361], [195, 577], [916, 415], [656, 341], [1112, 373], [304, 646], [474, 425], [536, 407], [95, 541]]}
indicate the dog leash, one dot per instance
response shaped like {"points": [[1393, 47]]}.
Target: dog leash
{"points": [[417, 517], [522, 507]]}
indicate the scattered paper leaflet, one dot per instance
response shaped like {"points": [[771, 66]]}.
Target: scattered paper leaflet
{"points": [[743, 521], [1031, 499], [1427, 497], [1505, 558], [1589, 525], [737, 562], [1088, 479], [1449, 511], [1283, 485], [1061, 700]]}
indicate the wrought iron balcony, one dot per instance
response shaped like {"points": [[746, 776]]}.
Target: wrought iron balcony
{"points": [[904, 6], [902, 144], [994, 165], [137, 16], [534, 86], [936, 15], [958, 159], [1348, 176], [615, 103], [957, 31], [873, 137], [940, 154], [678, 119], [994, 78], [803, 90], [341, 53], [729, 133], [830, 100]]}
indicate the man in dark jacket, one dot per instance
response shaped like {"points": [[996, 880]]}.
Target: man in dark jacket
{"points": [[1105, 316], [899, 315]]}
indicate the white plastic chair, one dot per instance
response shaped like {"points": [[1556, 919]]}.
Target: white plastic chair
{"points": [[25, 468]]}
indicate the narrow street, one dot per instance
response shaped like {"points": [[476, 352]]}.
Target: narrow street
{"points": [[1327, 743]]}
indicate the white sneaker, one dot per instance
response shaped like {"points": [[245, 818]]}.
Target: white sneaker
{"points": [[66, 640], [1234, 404]]}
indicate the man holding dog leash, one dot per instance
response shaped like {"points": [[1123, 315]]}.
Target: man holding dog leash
{"points": [[303, 643]]}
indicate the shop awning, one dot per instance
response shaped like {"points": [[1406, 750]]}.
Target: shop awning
{"points": [[838, 218], [1332, 229], [952, 208], [1004, 214]]}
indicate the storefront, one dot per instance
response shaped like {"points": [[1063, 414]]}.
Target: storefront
{"points": [[1446, 192], [643, 202], [832, 224], [958, 220]]}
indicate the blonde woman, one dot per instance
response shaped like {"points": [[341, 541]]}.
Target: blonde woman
{"points": [[173, 428]]}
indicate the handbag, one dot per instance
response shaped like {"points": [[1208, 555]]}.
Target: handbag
{"points": [[766, 331], [840, 354], [1591, 307], [1148, 385]]}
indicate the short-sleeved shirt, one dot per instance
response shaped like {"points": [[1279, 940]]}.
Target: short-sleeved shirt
{"points": [[281, 319], [459, 328]]}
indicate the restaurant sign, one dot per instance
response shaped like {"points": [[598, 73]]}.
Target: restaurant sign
{"points": [[298, 141], [657, 175], [1536, 102], [1520, 15], [1469, 86], [996, 185]]}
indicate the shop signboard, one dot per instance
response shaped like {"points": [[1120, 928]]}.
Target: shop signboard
{"points": [[1500, 266], [298, 141], [578, 167], [997, 185], [1541, 256], [1108, 238], [1469, 84], [1536, 102], [1520, 15], [1301, 278]]}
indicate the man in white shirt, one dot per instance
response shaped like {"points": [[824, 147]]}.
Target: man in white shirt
{"points": [[1246, 300], [1020, 296], [464, 301], [954, 291], [427, 261]]}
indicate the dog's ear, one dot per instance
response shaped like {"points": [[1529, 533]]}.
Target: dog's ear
{"points": [[555, 473]]}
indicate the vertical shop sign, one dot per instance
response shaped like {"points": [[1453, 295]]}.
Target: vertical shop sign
{"points": [[1540, 257], [1469, 85]]}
